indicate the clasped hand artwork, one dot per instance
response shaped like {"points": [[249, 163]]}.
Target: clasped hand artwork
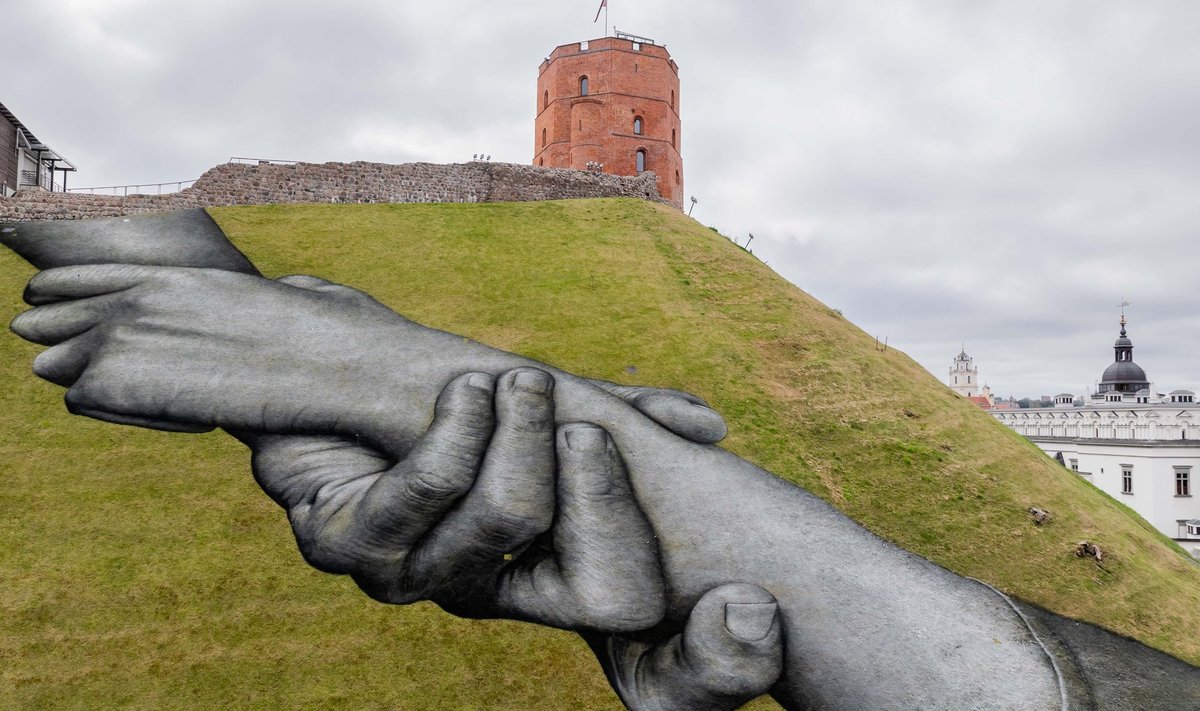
{"points": [[427, 466]]}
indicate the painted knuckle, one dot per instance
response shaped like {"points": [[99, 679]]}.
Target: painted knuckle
{"points": [[506, 528], [433, 485], [620, 605], [739, 675]]}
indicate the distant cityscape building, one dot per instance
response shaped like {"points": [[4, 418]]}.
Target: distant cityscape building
{"points": [[26, 162], [964, 376], [611, 102], [1140, 447]]}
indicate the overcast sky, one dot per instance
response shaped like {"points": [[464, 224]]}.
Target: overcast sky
{"points": [[995, 173]]}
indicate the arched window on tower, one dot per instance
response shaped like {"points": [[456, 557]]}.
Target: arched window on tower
{"points": [[672, 98], [641, 160], [583, 86], [546, 99], [672, 138], [543, 138], [637, 125]]}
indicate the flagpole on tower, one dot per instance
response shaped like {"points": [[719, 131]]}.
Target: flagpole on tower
{"points": [[604, 7]]}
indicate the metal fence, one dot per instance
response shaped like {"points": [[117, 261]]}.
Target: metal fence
{"points": [[127, 190], [168, 188]]}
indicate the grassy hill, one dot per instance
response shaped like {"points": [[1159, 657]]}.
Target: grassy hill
{"points": [[142, 569]]}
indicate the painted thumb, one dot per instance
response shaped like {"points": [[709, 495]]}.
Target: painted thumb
{"points": [[730, 652]]}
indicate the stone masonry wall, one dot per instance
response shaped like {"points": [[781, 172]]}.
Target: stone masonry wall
{"points": [[358, 182]]}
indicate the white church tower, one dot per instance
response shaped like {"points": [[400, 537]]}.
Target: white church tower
{"points": [[964, 376]]}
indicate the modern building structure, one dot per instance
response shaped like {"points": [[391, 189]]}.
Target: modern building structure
{"points": [[1140, 447], [611, 104], [26, 162]]}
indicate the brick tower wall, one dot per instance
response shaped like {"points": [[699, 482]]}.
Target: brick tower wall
{"points": [[626, 81]]}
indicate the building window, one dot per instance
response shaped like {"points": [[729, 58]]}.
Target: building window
{"points": [[672, 138], [543, 138], [637, 125], [641, 160], [583, 86], [677, 177], [541, 161], [1126, 479], [546, 99], [637, 47], [672, 98], [1183, 481], [1074, 465]]}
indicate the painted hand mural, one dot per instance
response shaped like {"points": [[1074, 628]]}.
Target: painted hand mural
{"points": [[429, 466]]}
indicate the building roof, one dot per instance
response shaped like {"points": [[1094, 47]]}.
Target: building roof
{"points": [[1124, 372], [33, 143]]}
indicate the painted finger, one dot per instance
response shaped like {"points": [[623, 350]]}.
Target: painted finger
{"points": [[605, 572], [680, 412], [117, 418], [731, 651], [512, 501], [406, 501], [54, 323], [64, 363], [84, 281]]}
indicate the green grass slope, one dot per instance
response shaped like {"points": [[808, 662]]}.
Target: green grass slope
{"points": [[145, 570]]}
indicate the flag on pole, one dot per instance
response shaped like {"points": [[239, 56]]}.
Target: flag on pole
{"points": [[603, 4]]}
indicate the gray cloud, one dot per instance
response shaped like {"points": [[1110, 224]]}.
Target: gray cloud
{"points": [[995, 173]]}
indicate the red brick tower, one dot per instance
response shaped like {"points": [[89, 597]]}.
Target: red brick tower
{"points": [[613, 101]]}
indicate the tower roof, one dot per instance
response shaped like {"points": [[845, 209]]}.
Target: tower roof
{"points": [[1123, 374]]}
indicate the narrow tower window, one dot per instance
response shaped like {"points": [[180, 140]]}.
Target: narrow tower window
{"points": [[672, 98], [583, 86], [546, 99], [672, 138], [637, 125], [641, 160], [543, 138]]}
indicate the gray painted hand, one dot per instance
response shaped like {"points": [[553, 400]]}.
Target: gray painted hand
{"points": [[119, 332], [457, 518], [216, 351], [592, 566]]}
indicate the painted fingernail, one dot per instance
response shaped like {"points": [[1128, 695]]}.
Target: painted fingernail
{"points": [[483, 381], [750, 621], [585, 438], [534, 381]]}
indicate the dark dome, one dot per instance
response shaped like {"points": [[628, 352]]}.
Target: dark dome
{"points": [[1124, 372], [1123, 341]]}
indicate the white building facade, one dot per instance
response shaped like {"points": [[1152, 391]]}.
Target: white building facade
{"points": [[964, 376], [1140, 447]]}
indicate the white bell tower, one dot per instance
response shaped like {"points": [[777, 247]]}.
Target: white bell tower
{"points": [[964, 376]]}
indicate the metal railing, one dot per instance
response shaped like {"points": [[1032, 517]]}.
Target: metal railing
{"points": [[170, 187], [633, 38], [127, 190], [263, 161]]}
